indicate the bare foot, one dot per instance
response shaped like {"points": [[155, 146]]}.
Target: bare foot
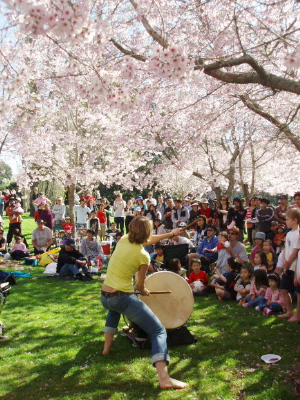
{"points": [[286, 315], [294, 318], [170, 383], [220, 300], [245, 305], [106, 352]]}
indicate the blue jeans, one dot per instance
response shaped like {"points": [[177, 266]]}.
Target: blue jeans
{"points": [[138, 312], [275, 307], [72, 269], [256, 302]]}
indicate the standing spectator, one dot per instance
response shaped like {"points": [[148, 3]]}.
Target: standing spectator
{"points": [[236, 216], [161, 206], [129, 214], [41, 199], [167, 220], [59, 211], [281, 210], [222, 212], [93, 222], [179, 213], [151, 198], [101, 215], [296, 203], [254, 216], [34, 196], [41, 238], [265, 216], [1, 204], [119, 210], [15, 220], [82, 212], [194, 213], [206, 210], [108, 210], [250, 225]]}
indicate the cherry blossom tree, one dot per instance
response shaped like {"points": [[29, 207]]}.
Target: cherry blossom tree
{"points": [[167, 73]]}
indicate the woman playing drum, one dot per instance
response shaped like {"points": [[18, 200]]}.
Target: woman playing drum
{"points": [[118, 297]]}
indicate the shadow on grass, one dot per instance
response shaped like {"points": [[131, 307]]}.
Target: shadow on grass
{"points": [[53, 353]]}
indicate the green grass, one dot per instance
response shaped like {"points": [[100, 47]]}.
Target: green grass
{"points": [[53, 351]]}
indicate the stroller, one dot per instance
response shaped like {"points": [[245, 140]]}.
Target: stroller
{"points": [[4, 292]]}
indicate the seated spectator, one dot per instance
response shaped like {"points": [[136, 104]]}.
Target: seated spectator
{"points": [[70, 261], [198, 278], [224, 284], [236, 250], [16, 232], [116, 241], [112, 231], [273, 300], [157, 258], [208, 243], [243, 284], [259, 239], [175, 266], [41, 238], [258, 289], [181, 240], [91, 248], [152, 213], [19, 250], [167, 217], [279, 238]]}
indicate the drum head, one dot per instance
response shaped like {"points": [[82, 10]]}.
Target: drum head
{"points": [[172, 309]]}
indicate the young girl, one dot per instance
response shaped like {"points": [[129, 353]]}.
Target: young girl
{"points": [[175, 266], [19, 250], [279, 238], [200, 231], [243, 284], [260, 261], [224, 284], [273, 300], [198, 279], [258, 288]]}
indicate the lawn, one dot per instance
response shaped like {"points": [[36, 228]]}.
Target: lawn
{"points": [[53, 351]]}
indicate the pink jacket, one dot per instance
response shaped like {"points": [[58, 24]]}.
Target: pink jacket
{"points": [[275, 297]]}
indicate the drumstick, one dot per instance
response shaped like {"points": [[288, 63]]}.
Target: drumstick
{"points": [[191, 224], [157, 292]]}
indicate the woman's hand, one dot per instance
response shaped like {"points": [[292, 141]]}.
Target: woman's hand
{"points": [[177, 231], [145, 292]]}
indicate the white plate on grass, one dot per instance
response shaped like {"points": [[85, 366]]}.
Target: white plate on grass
{"points": [[270, 358]]}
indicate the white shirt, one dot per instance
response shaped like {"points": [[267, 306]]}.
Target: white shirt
{"points": [[119, 206], [82, 214], [291, 243]]}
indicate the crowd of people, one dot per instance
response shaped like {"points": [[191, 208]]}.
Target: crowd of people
{"points": [[265, 275]]}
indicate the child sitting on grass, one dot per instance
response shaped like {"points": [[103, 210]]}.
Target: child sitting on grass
{"points": [[198, 278], [224, 284], [268, 250], [243, 284], [175, 266], [258, 289], [273, 300], [19, 249]]}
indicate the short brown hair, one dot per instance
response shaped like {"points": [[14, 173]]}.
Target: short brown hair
{"points": [[140, 229], [294, 213]]}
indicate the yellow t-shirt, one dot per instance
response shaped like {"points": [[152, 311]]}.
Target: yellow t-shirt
{"points": [[124, 263]]}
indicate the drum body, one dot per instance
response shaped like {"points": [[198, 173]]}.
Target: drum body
{"points": [[172, 309]]}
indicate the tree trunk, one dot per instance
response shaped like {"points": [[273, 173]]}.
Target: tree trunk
{"points": [[71, 197]]}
